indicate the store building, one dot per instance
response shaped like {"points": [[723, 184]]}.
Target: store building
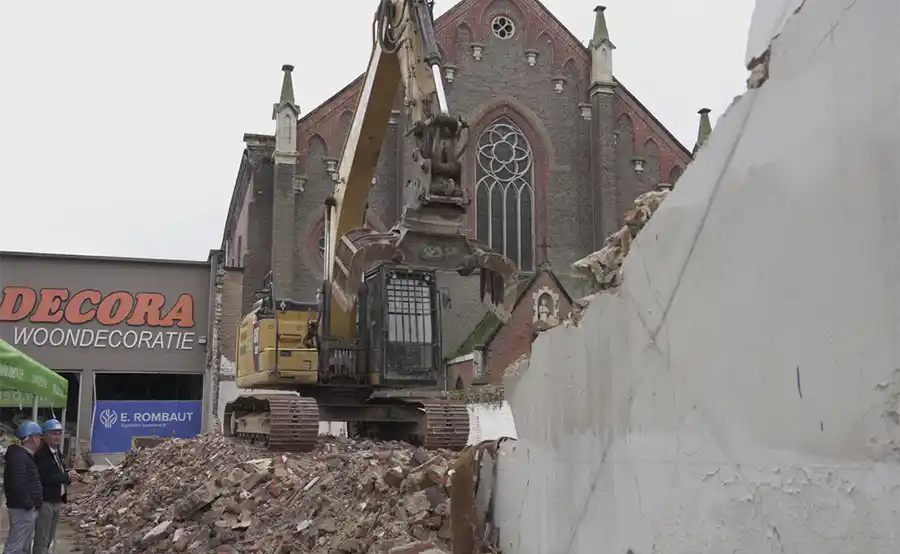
{"points": [[130, 335]]}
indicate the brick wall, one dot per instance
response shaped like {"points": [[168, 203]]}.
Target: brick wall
{"points": [[232, 289], [515, 338], [258, 250], [283, 226]]}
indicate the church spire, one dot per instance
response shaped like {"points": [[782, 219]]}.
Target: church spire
{"points": [[704, 130], [286, 100], [601, 31], [287, 84], [285, 113], [601, 48]]}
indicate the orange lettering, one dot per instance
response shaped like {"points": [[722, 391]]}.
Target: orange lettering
{"points": [[53, 305], [182, 313], [115, 308], [148, 309], [49, 309], [75, 313], [17, 303]]}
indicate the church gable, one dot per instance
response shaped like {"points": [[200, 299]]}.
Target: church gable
{"points": [[466, 28], [473, 36], [463, 31], [542, 302]]}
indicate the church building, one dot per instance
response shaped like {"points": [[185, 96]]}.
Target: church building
{"points": [[559, 149]]}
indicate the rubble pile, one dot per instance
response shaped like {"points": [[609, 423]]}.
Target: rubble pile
{"points": [[213, 494], [604, 267]]}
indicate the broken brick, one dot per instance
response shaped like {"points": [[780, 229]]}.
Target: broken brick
{"points": [[346, 497]]}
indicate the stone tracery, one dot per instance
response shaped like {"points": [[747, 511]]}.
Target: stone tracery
{"points": [[505, 191]]}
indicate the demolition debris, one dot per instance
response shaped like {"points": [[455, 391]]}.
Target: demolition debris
{"points": [[216, 495], [604, 267]]}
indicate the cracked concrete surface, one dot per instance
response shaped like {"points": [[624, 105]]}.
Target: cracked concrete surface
{"points": [[739, 392]]}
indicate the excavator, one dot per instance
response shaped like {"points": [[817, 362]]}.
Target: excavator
{"points": [[368, 350]]}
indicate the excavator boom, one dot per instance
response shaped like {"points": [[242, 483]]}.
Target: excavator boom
{"points": [[432, 231], [370, 381]]}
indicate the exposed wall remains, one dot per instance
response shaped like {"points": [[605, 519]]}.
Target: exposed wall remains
{"points": [[739, 391]]}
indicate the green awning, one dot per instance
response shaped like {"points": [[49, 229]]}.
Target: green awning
{"points": [[21, 378]]}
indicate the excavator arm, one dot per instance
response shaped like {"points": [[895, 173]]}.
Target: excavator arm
{"points": [[431, 233]]}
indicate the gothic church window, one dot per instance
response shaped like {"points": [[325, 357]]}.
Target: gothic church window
{"points": [[504, 192]]}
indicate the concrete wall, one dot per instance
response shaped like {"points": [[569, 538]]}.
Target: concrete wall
{"points": [[490, 421], [739, 392]]}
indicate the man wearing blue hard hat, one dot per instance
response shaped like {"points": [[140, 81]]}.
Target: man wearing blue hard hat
{"points": [[54, 479], [22, 486]]}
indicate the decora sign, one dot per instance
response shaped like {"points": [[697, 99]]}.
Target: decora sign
{"points": [[57, 317]]}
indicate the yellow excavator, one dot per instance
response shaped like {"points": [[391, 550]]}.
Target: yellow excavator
{"points": [[368, 350]]}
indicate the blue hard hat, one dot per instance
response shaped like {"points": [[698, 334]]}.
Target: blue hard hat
{"points": [[52, 425], [28, 429]]}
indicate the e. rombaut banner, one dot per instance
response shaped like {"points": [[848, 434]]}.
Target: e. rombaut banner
{"points": [[117, 423]]}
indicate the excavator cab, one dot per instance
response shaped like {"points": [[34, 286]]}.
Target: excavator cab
{"points": [[400, 322]]}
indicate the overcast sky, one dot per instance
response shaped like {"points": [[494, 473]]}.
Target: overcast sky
{"points": [[121, 122]]}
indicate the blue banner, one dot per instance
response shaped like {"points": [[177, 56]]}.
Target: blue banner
{"points": [[117, 423]]}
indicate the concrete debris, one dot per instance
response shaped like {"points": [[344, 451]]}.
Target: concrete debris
{"points": [[475, 479], [515, 369], [578, 308], [759, 70], [482, 394], [216, 495], [604, 267]]}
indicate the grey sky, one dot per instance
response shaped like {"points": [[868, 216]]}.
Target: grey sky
{"points": [[121, 122]]}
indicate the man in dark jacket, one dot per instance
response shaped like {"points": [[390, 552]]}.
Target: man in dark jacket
{"points": [[54, 479], [22, 486]]}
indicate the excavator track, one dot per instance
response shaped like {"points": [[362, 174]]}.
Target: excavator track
{"points": [[295, 424], [446, 425], [291, 425]]}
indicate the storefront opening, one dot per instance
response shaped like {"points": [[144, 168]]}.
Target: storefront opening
{"points": [[148, 386]]}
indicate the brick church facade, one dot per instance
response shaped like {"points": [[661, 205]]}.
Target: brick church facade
{"points": [[559, 149]]}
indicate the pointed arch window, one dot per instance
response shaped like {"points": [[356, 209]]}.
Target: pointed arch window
{"points": [[504, 192]]}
